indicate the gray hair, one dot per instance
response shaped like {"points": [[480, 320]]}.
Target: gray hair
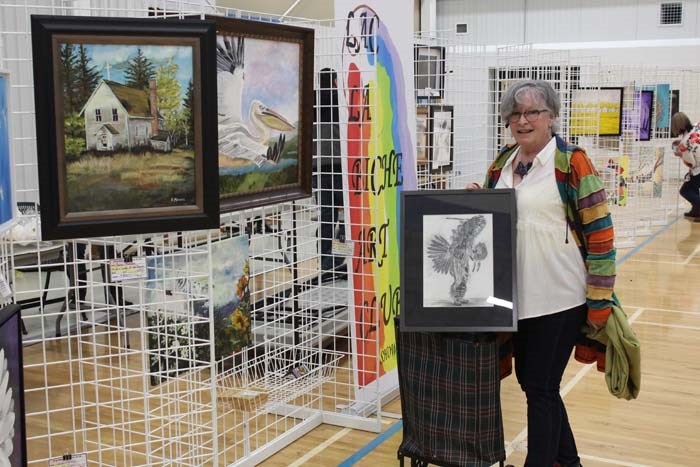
{"points": [[538, 90]]}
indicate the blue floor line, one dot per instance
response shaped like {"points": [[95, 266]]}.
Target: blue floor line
{"points": [[369, 447]]}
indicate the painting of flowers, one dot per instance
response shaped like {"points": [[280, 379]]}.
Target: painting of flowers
{"points": [[179, 337]]}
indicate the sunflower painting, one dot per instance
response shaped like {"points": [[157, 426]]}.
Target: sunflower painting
{"points": [[178, 340]]}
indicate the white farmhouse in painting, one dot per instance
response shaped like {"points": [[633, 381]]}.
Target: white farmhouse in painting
{"points": [[118, 117]]}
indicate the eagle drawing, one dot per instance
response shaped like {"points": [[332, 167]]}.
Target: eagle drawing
{"points": [[461, 256]]}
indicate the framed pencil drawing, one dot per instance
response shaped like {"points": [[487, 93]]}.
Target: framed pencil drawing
{"points": [[7, 202], [125, 113], [441, 137], [13, 447], [429, 70], [458, 260], [264, 106]]}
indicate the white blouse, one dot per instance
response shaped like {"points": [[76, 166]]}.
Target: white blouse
{"points": [[551, 273]]}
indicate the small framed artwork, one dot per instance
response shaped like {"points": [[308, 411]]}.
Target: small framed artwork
{"points": [[265, 112], [125, 114], [422, 132], [441, 137], [13, 448], [429, 70], [646, 111], [7, 203], [675, 101], [596, 112], [458, 260]]}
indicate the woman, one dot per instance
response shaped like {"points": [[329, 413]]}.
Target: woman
{"points": [[687, 147], [560, 198]]}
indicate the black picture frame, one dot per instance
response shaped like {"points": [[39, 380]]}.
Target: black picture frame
{"points": [[440, 135], [429, 71], [295, 184], [675, 101], [181, 183], [11, 367], [430, 301]]}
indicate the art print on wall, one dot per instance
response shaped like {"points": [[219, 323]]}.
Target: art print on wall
{"points": [[441, 137], [422, 132], [663, 106], [458, 260], [675, 102], [7, 205], [646, 110], [264, 107], [125, 114], [429, 70], [169, 285], [13, 449], [596, 112]]}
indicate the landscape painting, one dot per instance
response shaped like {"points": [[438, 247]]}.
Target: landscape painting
{"points": [[130, 124], [263, 109]]}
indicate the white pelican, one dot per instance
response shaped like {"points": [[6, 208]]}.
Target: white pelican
{"points": [[237, 140], [229, 78]]}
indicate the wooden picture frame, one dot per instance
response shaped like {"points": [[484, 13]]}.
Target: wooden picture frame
{"points": [[441, 138], [12, 382], [265, 112], [422, 133], [125, 114], [429, 71], [438, 294], [7, 195]]}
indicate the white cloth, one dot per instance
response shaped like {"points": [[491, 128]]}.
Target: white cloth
{"points": [[689, 148], [551, 273]]}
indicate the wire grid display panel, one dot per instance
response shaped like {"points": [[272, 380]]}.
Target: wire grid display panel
{"points": [[94, 388]]}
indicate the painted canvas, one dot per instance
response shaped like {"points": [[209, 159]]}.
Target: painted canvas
{"points": [[12, 429], [457, 260], [675, 101], [596, 112], [6, 194], [646, 110], [169, 284], [663, 106], [422, 133], [263, 106], [441, 144], [122, 125], [658, 173]]}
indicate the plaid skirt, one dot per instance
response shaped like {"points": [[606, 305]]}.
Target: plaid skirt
{"points": [[450, 398]]}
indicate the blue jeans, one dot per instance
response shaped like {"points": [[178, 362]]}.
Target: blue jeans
{"points": [[542, 347], [690, 190]]}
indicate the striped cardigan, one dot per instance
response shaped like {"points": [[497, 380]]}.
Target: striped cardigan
{"points": [[581, 191]]}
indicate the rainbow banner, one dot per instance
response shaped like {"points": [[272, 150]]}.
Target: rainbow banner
{"points": [[376, 108]]}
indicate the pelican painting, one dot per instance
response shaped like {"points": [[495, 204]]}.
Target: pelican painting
{"points": [[259, 110]]}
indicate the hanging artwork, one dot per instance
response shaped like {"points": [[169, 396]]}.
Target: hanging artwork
{"points": [[663, 106], [170, 284], [124, 114], [7, 205], [658, 174], [596, 112], [441, 143], [675, 102], [422, 132], [13, 449], [458, 260], [265, 112], [646, 110], [429, 71]]}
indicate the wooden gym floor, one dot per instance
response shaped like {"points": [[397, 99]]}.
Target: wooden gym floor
{"points": [[658, 283]]}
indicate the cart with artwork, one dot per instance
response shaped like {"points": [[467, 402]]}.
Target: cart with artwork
{"points": [[450, 399]]}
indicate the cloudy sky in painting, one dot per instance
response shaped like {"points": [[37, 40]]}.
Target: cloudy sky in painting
{"points": [[272, 76]]}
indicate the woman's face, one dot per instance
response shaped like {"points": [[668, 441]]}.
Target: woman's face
{"points": [[535, 134]]}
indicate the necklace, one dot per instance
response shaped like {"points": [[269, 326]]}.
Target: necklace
{"points": [[523, 169]]}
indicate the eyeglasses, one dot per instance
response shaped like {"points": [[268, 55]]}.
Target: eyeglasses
{"points": [[530, 115]]}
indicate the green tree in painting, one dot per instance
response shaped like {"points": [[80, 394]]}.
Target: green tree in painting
{"points": [[170, 100], [139, 71], [68, 70], [188, 108], [86, 78]]}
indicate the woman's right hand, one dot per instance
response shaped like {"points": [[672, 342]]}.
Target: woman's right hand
{"points": [[472, 186]]}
